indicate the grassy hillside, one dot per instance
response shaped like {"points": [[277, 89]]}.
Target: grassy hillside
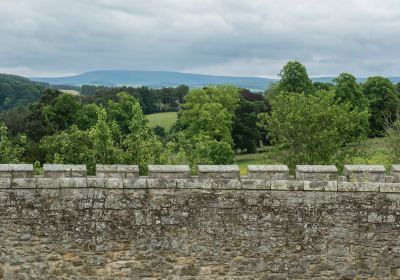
{"points": [[165, 120]]}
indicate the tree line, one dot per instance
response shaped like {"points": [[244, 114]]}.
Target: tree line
{"points": [[304, 122]]}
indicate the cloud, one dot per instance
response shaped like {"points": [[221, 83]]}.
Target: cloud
{"points": [[229, 37]]}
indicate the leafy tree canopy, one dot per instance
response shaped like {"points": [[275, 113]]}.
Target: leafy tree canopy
{"points": [[383, 103], [311, 128], [294, 78]]}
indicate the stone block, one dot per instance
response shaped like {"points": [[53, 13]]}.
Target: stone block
{"points": [[390, 188], [21, 170], [113, 183], [316, 172], [219, 171], [106, 183], [95, 182], [117, 171], [23, 183], [365, 173], [326, 186], [346, 186], [169, 171], [368, 186], [5, 183], [16, 170], [135, 183], [64, 170], [270, 172], [396, 172], [287, 185], [226, 184], [255, 184], [194, 182], [47, 183], [390, 179], [161, 183], [73, 182], [5, 171]]}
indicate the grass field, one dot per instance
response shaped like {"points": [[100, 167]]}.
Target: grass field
{"points": [[376, 152], [165, 120]]}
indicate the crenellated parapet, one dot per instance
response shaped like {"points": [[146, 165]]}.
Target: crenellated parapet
{"points": [[356, 178]]}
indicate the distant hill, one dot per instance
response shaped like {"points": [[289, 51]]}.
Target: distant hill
{"points": [[159, 79], [156, 79], [16, 90]]}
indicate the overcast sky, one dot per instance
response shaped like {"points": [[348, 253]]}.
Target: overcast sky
{"points": [[226, 37]]}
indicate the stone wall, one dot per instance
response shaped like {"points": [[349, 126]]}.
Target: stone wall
{"points": [[216, 225]]}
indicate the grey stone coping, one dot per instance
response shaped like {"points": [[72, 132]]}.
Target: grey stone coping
{"points": [[267, 168], [218, 168], [364, 168], [396, 168], [169, 168], [117, 168], [16, 167], [4, 167], [316, 168], [63, 167]]}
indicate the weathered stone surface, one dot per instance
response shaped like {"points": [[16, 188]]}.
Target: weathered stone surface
{"points": [[92, 233], [316, 172], [219, 171], [16, 170], [64, 170], [365, 173], [270, 172], [199, 227], [169, 171], [117, 171], [255, 184], [287, 185], [390, 187], [396, 172], [135, 183], [328, 186]]}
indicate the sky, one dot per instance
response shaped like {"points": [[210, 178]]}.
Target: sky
{"points": [[220, 37]]}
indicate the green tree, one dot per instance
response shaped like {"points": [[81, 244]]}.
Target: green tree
{"points": [[86, 116], [209, 112], [311, 128], [245, 133], [141, 145], [62, 113], [71, 146], [294, 78], [104, 149], [206, 119], [348, 90], [10, 151], [383, 103], [392, 133]]}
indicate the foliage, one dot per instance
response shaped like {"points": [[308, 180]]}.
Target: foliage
{"points": [[323, 86], [209, 112], [151, 100], [311, 128], [348, 90], [392, 133], [383, 103], [245, 133], [10, 151], [294, 79], [16, 91], [141, 145]]}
